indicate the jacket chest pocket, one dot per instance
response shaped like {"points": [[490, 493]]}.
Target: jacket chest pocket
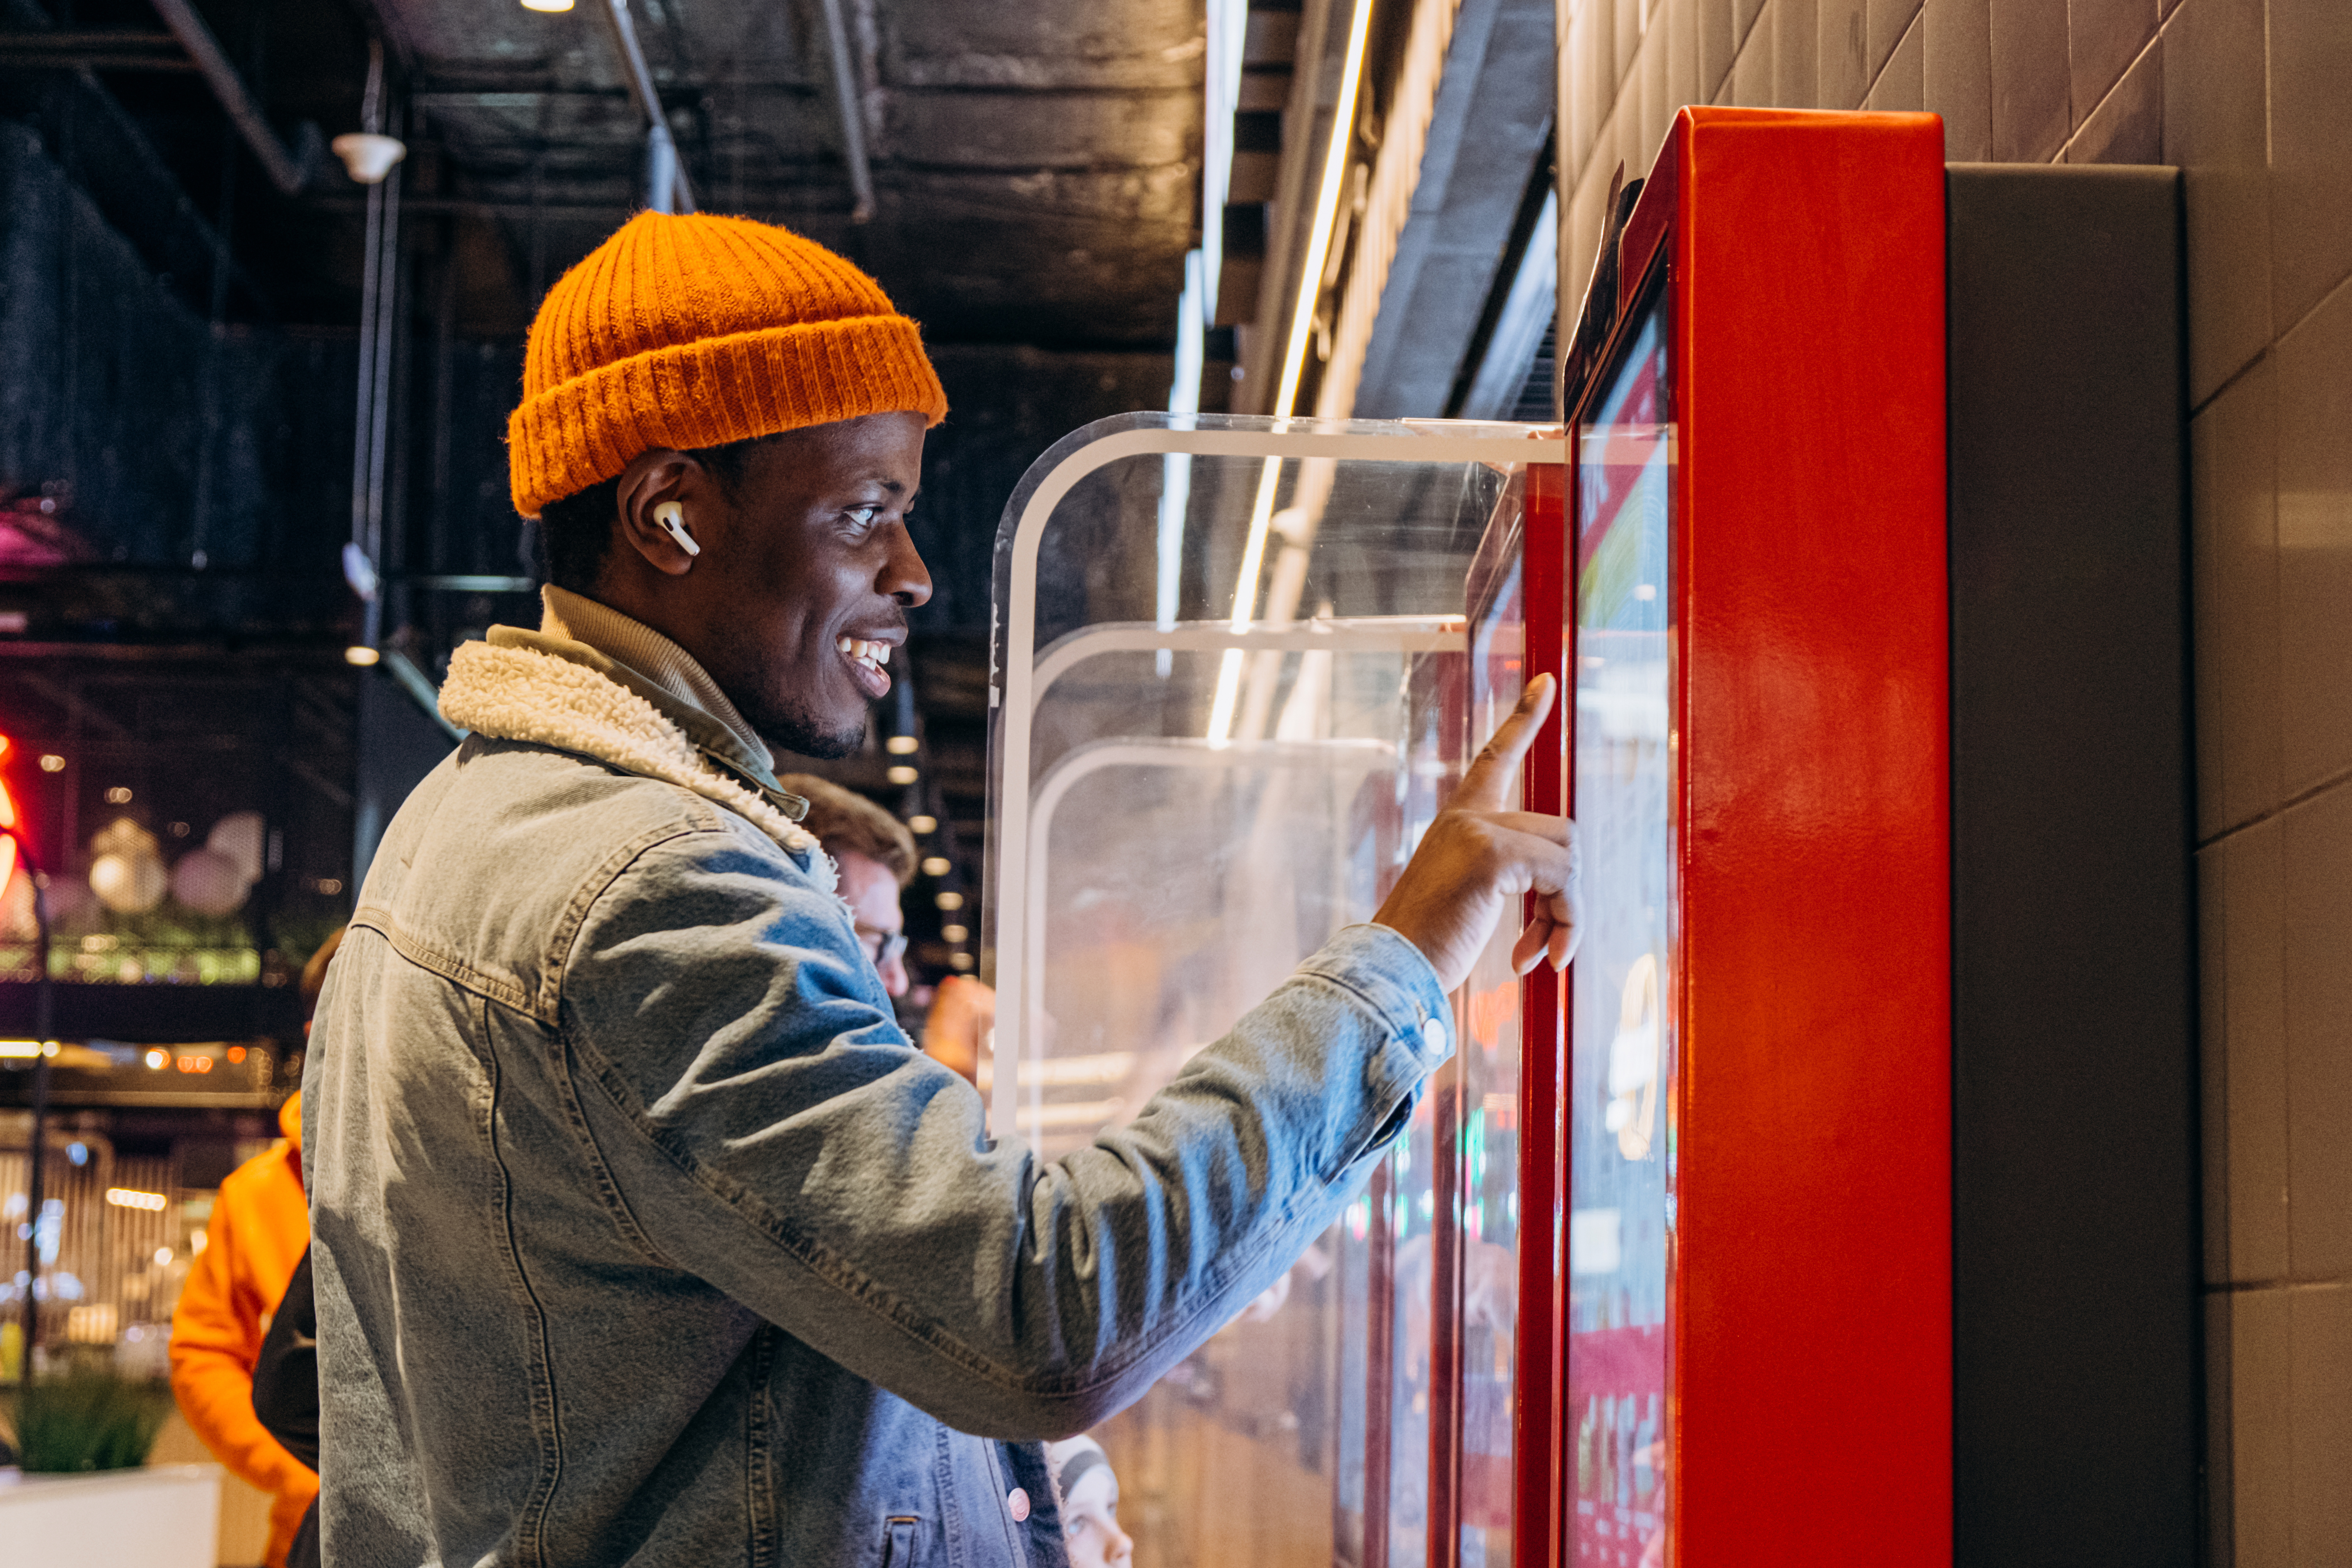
{"points": [[899, 1541]]}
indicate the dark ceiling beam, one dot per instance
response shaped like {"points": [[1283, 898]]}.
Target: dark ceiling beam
{"points": [[103, 149], [285, 171], [110, 49]]}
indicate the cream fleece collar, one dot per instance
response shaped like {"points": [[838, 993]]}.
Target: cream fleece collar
{"points": [[523, 694]]}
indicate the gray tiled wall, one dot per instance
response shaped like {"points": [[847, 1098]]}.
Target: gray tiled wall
{"points": [[2253, 98]]}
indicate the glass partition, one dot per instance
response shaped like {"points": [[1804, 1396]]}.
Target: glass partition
{"points": [[1232, 688]]}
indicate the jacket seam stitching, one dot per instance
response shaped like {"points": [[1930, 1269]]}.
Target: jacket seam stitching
{"points": [[608, 1189], [533, 1528], [425, 955]]}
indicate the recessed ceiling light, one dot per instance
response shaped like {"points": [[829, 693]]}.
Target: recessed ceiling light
{"points": [[902, 745]]}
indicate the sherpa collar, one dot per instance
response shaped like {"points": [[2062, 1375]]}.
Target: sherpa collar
{"points": [[513, 693]]}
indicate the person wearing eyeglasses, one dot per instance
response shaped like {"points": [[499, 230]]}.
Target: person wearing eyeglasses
{"points": [[876, 857]]}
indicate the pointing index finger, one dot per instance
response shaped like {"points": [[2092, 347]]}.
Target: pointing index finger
{"points": [[1483, 786]]}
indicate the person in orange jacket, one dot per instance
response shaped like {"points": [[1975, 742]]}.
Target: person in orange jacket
{"points": [[260, 1229]]}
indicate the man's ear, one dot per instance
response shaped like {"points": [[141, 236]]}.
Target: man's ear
{"points": [[655, 478]]}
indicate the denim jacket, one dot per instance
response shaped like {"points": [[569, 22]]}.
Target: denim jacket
{"points": [[642, 1235]]}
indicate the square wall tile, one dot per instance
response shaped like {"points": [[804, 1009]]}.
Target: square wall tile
{"points": [[2128, 127], [1843, 28], [2032, 114], [1718, 46], [1752, 73], [2235, 574], [2314, 530], [1890, 22], [2320, 1357], [2242, 900], [1633, 22], [1956, 66], [1683, 33], [2310, 151], [2103, 38], [1743, 17], [1658, 101], [1899, 88], [1795, 43], [2213, 1061], [2215, 129], [2318, 987], [2260, 1481], [2217, 1517]]}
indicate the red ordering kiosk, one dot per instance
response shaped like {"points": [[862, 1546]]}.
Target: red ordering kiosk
{"points": [[1838, 1207]]}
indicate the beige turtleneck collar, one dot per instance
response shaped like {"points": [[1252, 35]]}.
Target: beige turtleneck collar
{"points": [[628, 641]]}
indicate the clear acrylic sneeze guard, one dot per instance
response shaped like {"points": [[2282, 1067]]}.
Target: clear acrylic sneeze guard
{"points": [[1232, 682]]}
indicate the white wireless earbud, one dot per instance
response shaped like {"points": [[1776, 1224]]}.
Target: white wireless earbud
{"points": [[670, 518]]}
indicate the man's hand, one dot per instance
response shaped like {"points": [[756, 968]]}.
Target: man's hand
{"points": [[1477, 859]]}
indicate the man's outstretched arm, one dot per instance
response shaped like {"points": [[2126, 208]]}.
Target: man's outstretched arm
{"points": [[769, 1130]]}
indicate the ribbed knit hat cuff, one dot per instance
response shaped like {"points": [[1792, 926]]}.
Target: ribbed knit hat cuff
{"points": [[714, 391]]}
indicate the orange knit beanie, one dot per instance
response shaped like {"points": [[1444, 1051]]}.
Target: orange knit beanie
{"points": [[696, 331]]}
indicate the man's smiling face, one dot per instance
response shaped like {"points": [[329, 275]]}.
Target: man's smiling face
{"points": [[799, 597]]}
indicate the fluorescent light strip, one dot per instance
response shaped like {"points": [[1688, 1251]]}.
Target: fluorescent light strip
{"points": [[1293, 361], [1327, 209]]}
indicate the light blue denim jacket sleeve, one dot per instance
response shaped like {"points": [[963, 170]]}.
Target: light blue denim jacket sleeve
{"points": [[762, 1124]]}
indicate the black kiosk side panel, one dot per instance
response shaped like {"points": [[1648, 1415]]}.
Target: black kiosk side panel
{"points": [[2077, 1348]]}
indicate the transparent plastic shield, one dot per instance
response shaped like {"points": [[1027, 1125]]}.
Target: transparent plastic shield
{"points": [[1231, 689]]}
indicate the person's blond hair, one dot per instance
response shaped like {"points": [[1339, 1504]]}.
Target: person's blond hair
{"points": [[845, 822]]}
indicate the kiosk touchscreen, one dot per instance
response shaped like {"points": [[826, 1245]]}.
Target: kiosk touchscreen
{"points": [[1624, 1019]]}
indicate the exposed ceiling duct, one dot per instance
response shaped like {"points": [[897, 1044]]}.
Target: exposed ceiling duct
{"points": [[285, 170]]}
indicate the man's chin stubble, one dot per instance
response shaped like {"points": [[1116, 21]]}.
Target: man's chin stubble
{"points": [[797, 733]]}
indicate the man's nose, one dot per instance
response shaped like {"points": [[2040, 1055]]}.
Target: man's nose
{"points": [[893, 974], [903, 576]]}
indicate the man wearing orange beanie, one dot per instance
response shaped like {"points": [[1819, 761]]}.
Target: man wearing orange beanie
{"points": [[640, 1233]]}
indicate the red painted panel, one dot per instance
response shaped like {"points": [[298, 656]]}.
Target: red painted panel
{"points": [[1811, 1334], [1534, 1450]]}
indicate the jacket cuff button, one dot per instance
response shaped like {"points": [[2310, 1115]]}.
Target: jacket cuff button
{"points": [[1432, 1036]]}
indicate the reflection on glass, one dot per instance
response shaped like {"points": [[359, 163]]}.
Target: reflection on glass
{"points": [[1207, 801], [1621, 1137]]}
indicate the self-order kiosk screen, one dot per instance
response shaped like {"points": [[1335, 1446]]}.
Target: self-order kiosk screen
{"points": [[1621, 1142]]}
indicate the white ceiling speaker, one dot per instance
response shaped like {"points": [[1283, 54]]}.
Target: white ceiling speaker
{"points": [[368, 156]]}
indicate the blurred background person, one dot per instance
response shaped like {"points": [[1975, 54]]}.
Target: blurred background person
{"points": [[876, 855], [260, 1229], [963, 1014], [1089, 1493]]}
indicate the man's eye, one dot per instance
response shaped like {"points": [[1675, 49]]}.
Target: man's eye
{"points": [[863, 516]]}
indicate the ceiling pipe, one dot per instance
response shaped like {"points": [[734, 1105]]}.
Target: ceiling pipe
{"points": [[284, 169], [666, 190], [852, 123]]}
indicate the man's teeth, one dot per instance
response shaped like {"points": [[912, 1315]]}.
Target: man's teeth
{"points": [[874, 653]]}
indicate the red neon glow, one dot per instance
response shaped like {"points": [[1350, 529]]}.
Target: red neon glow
{"points": [[8, 819]]}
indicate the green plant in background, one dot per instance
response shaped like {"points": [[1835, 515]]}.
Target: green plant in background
{"points": [[88, 1420]]}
